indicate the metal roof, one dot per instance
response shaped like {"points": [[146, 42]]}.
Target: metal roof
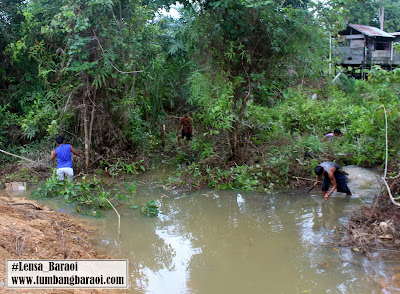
{"points": [[370, 31], [395, 34]]}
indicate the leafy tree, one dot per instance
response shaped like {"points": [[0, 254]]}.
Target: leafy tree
{"points": [[246, 48], [86, 66], [367, 13]]}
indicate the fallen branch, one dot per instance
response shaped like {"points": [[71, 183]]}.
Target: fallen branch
{"points": [[24, 203], [390, 193], [300, 178], [119, 219], [8, 153]]}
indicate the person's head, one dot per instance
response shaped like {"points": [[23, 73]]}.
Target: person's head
{"points": [[60, 140], [337, 132], [186, 113], [319, 170]]}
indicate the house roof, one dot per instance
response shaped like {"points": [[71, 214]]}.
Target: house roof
{"points": [[370, 31], [395, 34]]}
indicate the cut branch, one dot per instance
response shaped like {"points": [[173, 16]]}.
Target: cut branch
{"points": [[119, 218], [24, 158]]}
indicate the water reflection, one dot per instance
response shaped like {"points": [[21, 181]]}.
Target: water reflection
{"points": [[237, 243], [172, 279], [325, 215]]}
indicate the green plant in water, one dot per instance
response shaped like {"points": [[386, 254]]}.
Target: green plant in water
{"points": [[150, 209], [131, 187], [89, 195], [114, 169]]}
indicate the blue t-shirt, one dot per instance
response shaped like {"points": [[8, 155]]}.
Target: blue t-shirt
{"points": [[64, 156]]}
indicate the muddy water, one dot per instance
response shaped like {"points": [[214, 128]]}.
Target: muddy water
{"points": [[236, 242]]}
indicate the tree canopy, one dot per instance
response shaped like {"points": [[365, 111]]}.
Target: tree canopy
{"points": [[367, 13], [108, 72]]}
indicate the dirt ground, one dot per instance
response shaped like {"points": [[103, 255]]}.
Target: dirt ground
{"points": [[30, 233]]}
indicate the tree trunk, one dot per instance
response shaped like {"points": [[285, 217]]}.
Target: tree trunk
{"points": [[228, 140], [163, 135], [235, 143], [134, 52], [381, 17], [86, 132], [88, 126], [92, 119]]}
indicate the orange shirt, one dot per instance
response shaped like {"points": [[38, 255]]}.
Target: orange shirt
{"points": [[187, 123]]}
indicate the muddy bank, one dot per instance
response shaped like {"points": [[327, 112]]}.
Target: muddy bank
{"points": [[32, 231]]}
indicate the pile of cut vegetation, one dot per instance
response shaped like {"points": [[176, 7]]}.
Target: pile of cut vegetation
{"points": [[377, 227]]}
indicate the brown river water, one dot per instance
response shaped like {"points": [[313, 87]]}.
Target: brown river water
{"points": [[211, 241]]}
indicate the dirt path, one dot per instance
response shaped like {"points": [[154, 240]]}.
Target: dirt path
{"points": [[28, 233]]}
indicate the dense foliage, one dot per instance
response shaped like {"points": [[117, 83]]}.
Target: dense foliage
{"points": [[110, 73], [279, 136], [93, 69], [107, 72]]}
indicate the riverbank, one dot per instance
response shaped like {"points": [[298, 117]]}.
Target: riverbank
{"points": [[376, 228], [29, 230]]}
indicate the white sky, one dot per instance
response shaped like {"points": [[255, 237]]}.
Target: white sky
{"points": [[173, 11]]}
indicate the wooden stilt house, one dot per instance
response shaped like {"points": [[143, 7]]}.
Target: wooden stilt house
{"points": [[359, 47]]}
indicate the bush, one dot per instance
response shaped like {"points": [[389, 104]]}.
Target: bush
{"points": [[280, 135]]}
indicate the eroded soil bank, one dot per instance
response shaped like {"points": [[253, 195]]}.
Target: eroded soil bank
{"points": [[33, 231]]}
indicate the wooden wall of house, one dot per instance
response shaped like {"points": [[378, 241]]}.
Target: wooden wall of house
{"points": [[358, 50], [350, 56]]}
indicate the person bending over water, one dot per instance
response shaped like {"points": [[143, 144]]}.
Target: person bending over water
{"points": [[332, 174], [64, 158]]}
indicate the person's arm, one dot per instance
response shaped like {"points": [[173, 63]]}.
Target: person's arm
{"points": [[179, 127], [317, 179], [53, 155], [331, 175], [327, 137], [76, 152]]}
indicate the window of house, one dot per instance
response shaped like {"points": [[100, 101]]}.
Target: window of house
{"points": [[382, 46]]}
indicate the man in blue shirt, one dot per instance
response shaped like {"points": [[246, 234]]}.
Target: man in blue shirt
{"points": [[64, 158]]}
